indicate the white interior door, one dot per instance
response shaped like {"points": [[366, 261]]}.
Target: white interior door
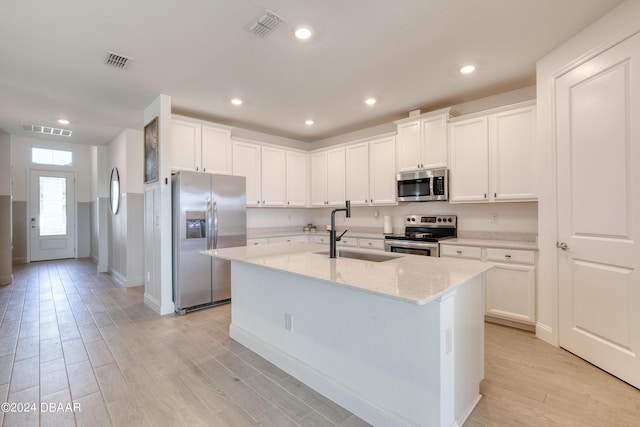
{"points": [[598, 148], [52, 215]]}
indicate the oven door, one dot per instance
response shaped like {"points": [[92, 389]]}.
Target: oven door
{"points": [[412, 247]]}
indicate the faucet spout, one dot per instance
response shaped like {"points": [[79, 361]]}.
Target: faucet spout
{"points": [[332, 233]]}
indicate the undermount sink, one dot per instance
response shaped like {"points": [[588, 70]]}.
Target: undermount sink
{"points": [[364, 256]]}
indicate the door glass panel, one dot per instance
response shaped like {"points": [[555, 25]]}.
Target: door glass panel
{"points": [[53, 206]]}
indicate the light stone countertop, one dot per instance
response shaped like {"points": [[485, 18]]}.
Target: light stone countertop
{"points": [[410, 278], [488, 243]]}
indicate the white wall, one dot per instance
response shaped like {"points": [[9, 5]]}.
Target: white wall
{"points": [[5, 210], [21, 164], [125, 229], [158, 268], [610, 29]]}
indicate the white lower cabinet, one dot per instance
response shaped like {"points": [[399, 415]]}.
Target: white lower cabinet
{"points": [[510, 286], [302, 238]]}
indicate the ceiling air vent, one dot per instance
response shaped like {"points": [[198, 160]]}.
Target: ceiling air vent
{"points": [[47, 130], [116, 60], [268, 22]]}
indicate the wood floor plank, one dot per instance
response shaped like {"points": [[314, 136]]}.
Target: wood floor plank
{"points": [[67, 332]]}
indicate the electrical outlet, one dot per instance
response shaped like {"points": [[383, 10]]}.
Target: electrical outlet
{"points": [[288, 322]]}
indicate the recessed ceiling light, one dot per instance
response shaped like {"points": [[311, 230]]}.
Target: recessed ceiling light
{"points": [[236, 101], [467, 69], [303, 33], [63, 121], [370, 101], [308, 122]]}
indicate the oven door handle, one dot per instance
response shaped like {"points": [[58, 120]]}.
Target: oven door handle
{"points": [[408, 244]]}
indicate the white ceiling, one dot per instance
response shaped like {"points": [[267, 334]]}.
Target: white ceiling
{"points": [[406, 53]]}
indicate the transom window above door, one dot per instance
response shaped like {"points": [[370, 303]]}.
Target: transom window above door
{"points": [[47, 156]]}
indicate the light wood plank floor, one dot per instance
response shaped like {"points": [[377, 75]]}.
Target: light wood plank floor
{"points": [[71, 336]]}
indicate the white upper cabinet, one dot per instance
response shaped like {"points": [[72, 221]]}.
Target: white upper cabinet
{"points": [[512, 154], [422, 141], [370, 172], [328, 177], [274, 177], [357, 174], [216, 150], [469, 175], [336, 177], [199, 147], [319, 176], [382, 171], [492, 155], [186, 140], [247, 163], [297, 179]]}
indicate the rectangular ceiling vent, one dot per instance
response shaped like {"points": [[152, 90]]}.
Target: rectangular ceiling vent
{"points": [[116, 60], [265, 25], [47, 130]]}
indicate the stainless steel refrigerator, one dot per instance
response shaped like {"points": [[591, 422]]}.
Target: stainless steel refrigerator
{"points": [[209, 212]]}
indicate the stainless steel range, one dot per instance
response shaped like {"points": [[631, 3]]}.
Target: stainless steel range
{"points": [[422, 234]]}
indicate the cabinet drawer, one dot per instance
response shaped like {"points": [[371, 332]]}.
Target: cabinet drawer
{"points": [[289, 239], [372, 244], [257, 241], [324, 239], [470, 252], [517, 256], [347, 241]]}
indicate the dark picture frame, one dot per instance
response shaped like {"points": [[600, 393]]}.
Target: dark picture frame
{"points": [[151, 151]]}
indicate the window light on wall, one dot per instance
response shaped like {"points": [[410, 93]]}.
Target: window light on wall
{"points": [[47, 156]]}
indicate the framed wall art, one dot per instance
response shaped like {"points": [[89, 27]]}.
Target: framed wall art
{"points": [[151, 151]]}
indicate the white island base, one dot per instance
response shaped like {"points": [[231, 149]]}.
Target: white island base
{"points": [[389, 361]]}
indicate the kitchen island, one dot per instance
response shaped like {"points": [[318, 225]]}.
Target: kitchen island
{"points": [[397, 342]]}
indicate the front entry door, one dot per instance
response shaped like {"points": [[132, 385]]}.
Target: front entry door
{"points": [[52, 215], [598, 154]]}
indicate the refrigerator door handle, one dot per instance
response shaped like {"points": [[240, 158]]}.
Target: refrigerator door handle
{"points": [[215, 224], [209, 235]]}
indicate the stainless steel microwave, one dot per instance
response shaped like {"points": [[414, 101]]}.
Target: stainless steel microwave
{"points": [[423, 185]]}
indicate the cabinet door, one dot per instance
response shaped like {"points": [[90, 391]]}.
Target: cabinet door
{"points": [[216, 150], [382, 176], [246, 162], [357, 174], [274, 177], [185, 145], [409, 146], [434, 142], [469, 177], [512, 136], [336, 177], [319, 177], [510, 292], [297, 179]]}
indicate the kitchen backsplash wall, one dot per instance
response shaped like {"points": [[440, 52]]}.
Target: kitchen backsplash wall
{"points": [[476, 220]]}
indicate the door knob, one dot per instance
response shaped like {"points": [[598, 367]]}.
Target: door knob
{"points": [[562, 245]]}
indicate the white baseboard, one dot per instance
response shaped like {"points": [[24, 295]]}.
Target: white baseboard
{"points": [[161, 309], [318, 381], [545, 333]]}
